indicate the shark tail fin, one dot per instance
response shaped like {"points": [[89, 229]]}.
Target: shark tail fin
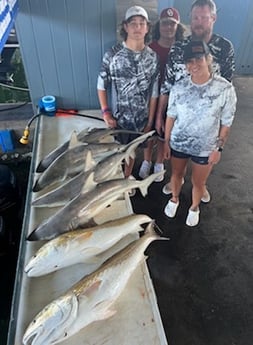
{"points": [[147, 182]]}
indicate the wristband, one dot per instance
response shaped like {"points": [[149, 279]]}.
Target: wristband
{"points": [[219, 149], [106, 110]]}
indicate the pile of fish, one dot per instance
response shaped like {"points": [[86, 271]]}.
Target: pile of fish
{"points": [[90, 182]]}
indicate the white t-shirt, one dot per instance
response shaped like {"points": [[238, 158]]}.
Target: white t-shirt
{"points": [[199, 111]]}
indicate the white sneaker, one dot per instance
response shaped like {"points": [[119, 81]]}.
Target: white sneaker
{"points": [[206, 197], [192, 218], [157, 168], [171, 209], [145, 169], [167, 188]]}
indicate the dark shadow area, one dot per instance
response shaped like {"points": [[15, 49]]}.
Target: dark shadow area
{"points": [[13, 184]]}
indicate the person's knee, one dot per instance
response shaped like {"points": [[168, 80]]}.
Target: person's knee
{"points": [[197, 183]]}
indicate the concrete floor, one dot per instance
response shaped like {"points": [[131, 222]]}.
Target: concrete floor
{"points": [[203, 276]]}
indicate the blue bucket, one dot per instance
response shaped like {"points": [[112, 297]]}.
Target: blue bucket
{"points": [[49, 103]]}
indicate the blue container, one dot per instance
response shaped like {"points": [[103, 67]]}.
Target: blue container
{"points": [[6, 140], [49, 103]]}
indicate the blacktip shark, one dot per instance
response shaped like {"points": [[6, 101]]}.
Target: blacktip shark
{"points": [[80, 211], [105, 169], [87, 135], [72, 161]]}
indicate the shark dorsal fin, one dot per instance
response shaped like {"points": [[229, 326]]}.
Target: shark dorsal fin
{"points": [[89, 161], [73, 141], [89, 183]]}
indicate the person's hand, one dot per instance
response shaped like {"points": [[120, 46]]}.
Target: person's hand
{"points": [[214, 157], [109, 120], [166, 150]]}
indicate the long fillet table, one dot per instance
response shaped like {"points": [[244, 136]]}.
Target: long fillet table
{"points": [[137, 320]]}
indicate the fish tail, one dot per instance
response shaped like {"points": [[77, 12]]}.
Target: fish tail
{"points": [[130, 153], [152, 230], [147, 182], [136, 142], [132, 146]]}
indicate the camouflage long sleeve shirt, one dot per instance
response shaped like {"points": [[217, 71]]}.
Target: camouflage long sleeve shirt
{"points": [[132, 77]]}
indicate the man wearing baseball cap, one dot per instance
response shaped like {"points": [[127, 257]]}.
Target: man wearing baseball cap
{"points": [[130, 70]]}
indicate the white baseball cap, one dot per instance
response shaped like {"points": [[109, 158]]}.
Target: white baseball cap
{"points": [[136, 11]]}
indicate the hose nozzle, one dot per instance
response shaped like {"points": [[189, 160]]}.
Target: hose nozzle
{"points": [[24, 139]]}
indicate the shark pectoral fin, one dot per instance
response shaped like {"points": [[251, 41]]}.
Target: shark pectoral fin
{"points": [[33, 236], [92, 222], [36, 186], [144, 188]]}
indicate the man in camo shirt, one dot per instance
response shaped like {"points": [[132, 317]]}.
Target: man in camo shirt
{"points": [[203, 17], [130, 70]]}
